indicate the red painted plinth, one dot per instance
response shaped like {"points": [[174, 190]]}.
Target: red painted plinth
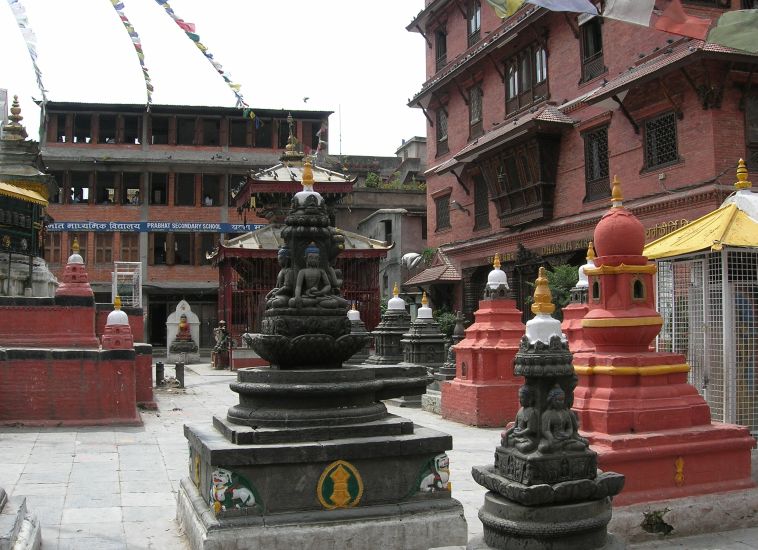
{"points": [[656, 429], [484, 391], [67, 387], [48, 326], [144, 376], [572, 328]]}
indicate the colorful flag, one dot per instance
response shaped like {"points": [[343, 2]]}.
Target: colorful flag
{"points": [[737, 29], [638, 12], [675, 20], [505, 8], [19, 12], [575, 6], [119, 7]]}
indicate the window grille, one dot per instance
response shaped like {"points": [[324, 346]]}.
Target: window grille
{"points": [[441, 116], [540, 64], [660, 141], [103, 248], [526, 82], [592, 50], [474, 22], [475, 108], [709, 304], [442, 207], [596, 163], [127, 283], [481, 204]]}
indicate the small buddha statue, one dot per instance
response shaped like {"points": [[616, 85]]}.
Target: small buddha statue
{"points": [[183, 332], [313, 286], [524, 433], [559, 425], [280, 295]]}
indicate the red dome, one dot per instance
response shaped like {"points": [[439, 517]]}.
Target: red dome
{"points": [[619, 233]]}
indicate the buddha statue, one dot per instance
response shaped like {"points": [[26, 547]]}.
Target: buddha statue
{"points": [[524, 433], [559, 425], [280, 295], [313, 287]]}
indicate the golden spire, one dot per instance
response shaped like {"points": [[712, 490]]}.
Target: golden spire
{"points": [[75, 246], [14, 130], [496, 262], [742, 182], [395, 291], [290, 148], [354, 308], [424, 299], [616, 197], [591, 252], [543, 298], [307, 176], [117, 302]]}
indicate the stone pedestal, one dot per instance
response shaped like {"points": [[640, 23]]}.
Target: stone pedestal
{"points": [[358, 327], [144, 376], [424, 346], [312, 459], [485, 390]]}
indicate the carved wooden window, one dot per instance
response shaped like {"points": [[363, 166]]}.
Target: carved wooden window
{"points": [[130, 247], [660, 141], [596, 163], [751, 130], [440, 48], [441, 116], [481, 203], [474, 22], [103, 248], [442, 208], [475, 111], [53, 248], [526, 78], [592, 50]]}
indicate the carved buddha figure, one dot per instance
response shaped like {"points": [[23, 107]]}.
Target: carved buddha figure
{"points": [[280, 295], [559, 425], [313, 286], [183, 332], [524, 433]]}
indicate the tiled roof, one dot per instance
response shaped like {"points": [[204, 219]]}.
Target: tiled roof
{"points": [[442, 272]]}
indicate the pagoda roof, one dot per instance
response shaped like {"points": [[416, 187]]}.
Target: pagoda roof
{"points": [[266, 241]]}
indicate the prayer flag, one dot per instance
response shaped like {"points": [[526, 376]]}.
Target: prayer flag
{"points": [[575, 6], [737, 29], [676, 21], [505, 8], [638, 12]]}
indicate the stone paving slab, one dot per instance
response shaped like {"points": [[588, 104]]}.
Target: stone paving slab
{"points": [[103, 488]]}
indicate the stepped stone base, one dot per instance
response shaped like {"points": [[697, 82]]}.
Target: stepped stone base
{"points": [[431, 402], [19, 529]]}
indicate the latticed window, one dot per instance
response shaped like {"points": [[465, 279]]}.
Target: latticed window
{"points": [[103, 248], [481, 204], [440, 47], [130, 247], [53, 248], [441, 131], [660, 141], [596, 163], [592, 50], [474, 22], [475, 111], [442, 207], [526, 74]]}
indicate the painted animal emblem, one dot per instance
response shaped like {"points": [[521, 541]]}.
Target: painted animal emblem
{"points": [[229, 490], [437, 475]]}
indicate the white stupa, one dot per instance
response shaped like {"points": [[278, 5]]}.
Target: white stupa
{"points": [[543, 326]]}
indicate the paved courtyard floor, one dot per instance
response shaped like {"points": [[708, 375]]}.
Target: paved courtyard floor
{"points": [[113, 488]]}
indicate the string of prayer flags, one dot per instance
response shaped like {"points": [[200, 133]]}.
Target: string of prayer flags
{"points": [[736, 29], [638, 12], [190, 30], [118, 5], [19, 12], [675, 20], [506, 8]]}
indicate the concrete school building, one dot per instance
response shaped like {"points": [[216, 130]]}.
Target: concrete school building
{"points": [[529, 117]]}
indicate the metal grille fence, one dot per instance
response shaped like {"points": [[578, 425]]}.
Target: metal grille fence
{"points": [[708, 303]]}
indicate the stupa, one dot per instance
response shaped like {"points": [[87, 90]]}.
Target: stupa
{"points": [[635, 405], [387, 335], [310, 457], [574, 312]]}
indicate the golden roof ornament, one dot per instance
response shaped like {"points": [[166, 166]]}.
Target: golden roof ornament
{"points": [[496, 262], [424, 299], [543, 298], [742, 181], [14, 130], [591, 252], [396, 291], [616, 196], [75, 245], [117, 302], [307, 176]]}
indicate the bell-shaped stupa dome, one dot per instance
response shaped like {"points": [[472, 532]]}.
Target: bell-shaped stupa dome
{"points": [[619, 232]]}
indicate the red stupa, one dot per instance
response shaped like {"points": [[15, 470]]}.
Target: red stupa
{"points": [[635, 405]]}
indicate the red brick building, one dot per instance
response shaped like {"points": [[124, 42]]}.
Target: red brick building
{"points": [[529, 117], [154, 187]]}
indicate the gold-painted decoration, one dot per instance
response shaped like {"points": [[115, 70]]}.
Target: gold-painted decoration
{"points": [[543, 298], [590, 253], [651, 370], [117, 302], [616, 197], [622, 322], [623, 268], [679, 471], [742, 181], [196, 470], [340, 486], [396, 291], [424, 299], [496, 262], [75, 246]]}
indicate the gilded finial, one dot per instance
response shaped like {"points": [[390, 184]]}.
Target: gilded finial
{"points": [[742, 182], [591, 252], [354, 308], [290, 148], [75, 245], [117, 302], [307, 176], [543, 298], [396, 291], [496, 262], [616, 197], [424, 299]]}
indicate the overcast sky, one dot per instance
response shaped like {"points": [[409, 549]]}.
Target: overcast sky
{"points": [[353, 57]]}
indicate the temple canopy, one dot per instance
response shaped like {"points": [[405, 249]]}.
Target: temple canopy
{"points": [[734, 223]]}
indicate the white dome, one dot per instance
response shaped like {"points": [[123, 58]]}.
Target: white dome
{"points": [[301, 196], [496, 278], [424, 312], [543, 327], [354, 315], [117, 317], [396, 303], [75, 258], [584, 281]]}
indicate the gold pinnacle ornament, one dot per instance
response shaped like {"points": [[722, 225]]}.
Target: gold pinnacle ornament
{"points": [[543, 298], [591, 252], [424, 299], [396, 291], [742, 181], [117, 302], [496, 262], [616, 196], [75, 246]]}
